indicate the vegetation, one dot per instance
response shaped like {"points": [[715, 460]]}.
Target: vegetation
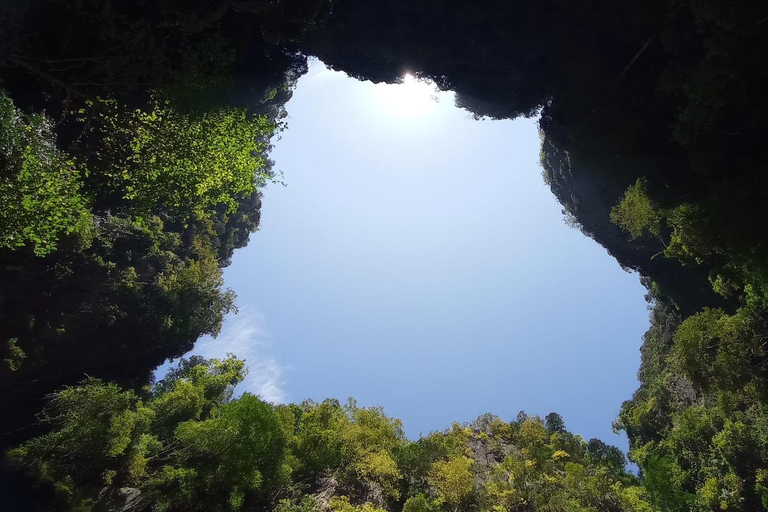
{"points": [[134, 151], [134, 145], [652, 119], [123, 234], [186, 444], [635, 213], [40, 187], [184, 165]]}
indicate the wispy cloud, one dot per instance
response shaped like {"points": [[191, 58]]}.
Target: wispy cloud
{"points": [[244, 336]]}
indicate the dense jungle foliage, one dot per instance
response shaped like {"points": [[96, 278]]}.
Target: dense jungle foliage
{"points": [[135, 140], [185, 444], [135, 145]]}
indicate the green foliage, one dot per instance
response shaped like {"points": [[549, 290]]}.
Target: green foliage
{"points": [[193, 390], [186, 444], [318, 443], [100, 436], [133, 158], [306, 504], [453, 480], [182, 163], [170, 195], [420, 503], [40, 187], [696, 343], [715, 350], [130, 292], [554, 423], [558, 471], [234, 453], [696, 425], [690, 239], [14, 356], [636, 213], [368, 442], [342, 504], [158, 185]]}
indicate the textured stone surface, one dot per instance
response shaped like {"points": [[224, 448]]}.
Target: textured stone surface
{"points": [[124, 499]]}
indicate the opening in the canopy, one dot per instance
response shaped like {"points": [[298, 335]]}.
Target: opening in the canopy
{"points": [[417, 260]]}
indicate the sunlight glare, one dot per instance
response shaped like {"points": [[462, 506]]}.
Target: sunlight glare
{"points": [[411, 98]]}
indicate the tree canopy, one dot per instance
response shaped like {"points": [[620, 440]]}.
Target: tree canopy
{"points": [[187, 444], [134, 142]]}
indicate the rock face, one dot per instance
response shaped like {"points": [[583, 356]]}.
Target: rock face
{"points": [[330, 487], [124, 499], [587, 198], [487, 453]]}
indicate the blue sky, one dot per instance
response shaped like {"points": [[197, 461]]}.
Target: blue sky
{"points": [[416, 260]]}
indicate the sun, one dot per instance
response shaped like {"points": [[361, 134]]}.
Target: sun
{"points": [[410, 98]]}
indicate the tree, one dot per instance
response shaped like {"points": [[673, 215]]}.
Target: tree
{"points": [[553, 422], [607, 456], [419, 503], [636, 213], [342, 504], [696, 345], [184, 164], [319, 441], [100, 436], [452, 480], [40, 186], [193, 390], [186, 445], [224, 458]]}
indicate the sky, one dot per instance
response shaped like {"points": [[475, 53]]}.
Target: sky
{"points": [[416, 260]]}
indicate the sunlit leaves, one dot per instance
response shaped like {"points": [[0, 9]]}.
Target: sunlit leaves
{"points": [[635, 213], [163, 159], [98, 430], [233, 453], [453, 480], [40, 187], [420, 503], [342, 504], [186, 446], [378, 467]]}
